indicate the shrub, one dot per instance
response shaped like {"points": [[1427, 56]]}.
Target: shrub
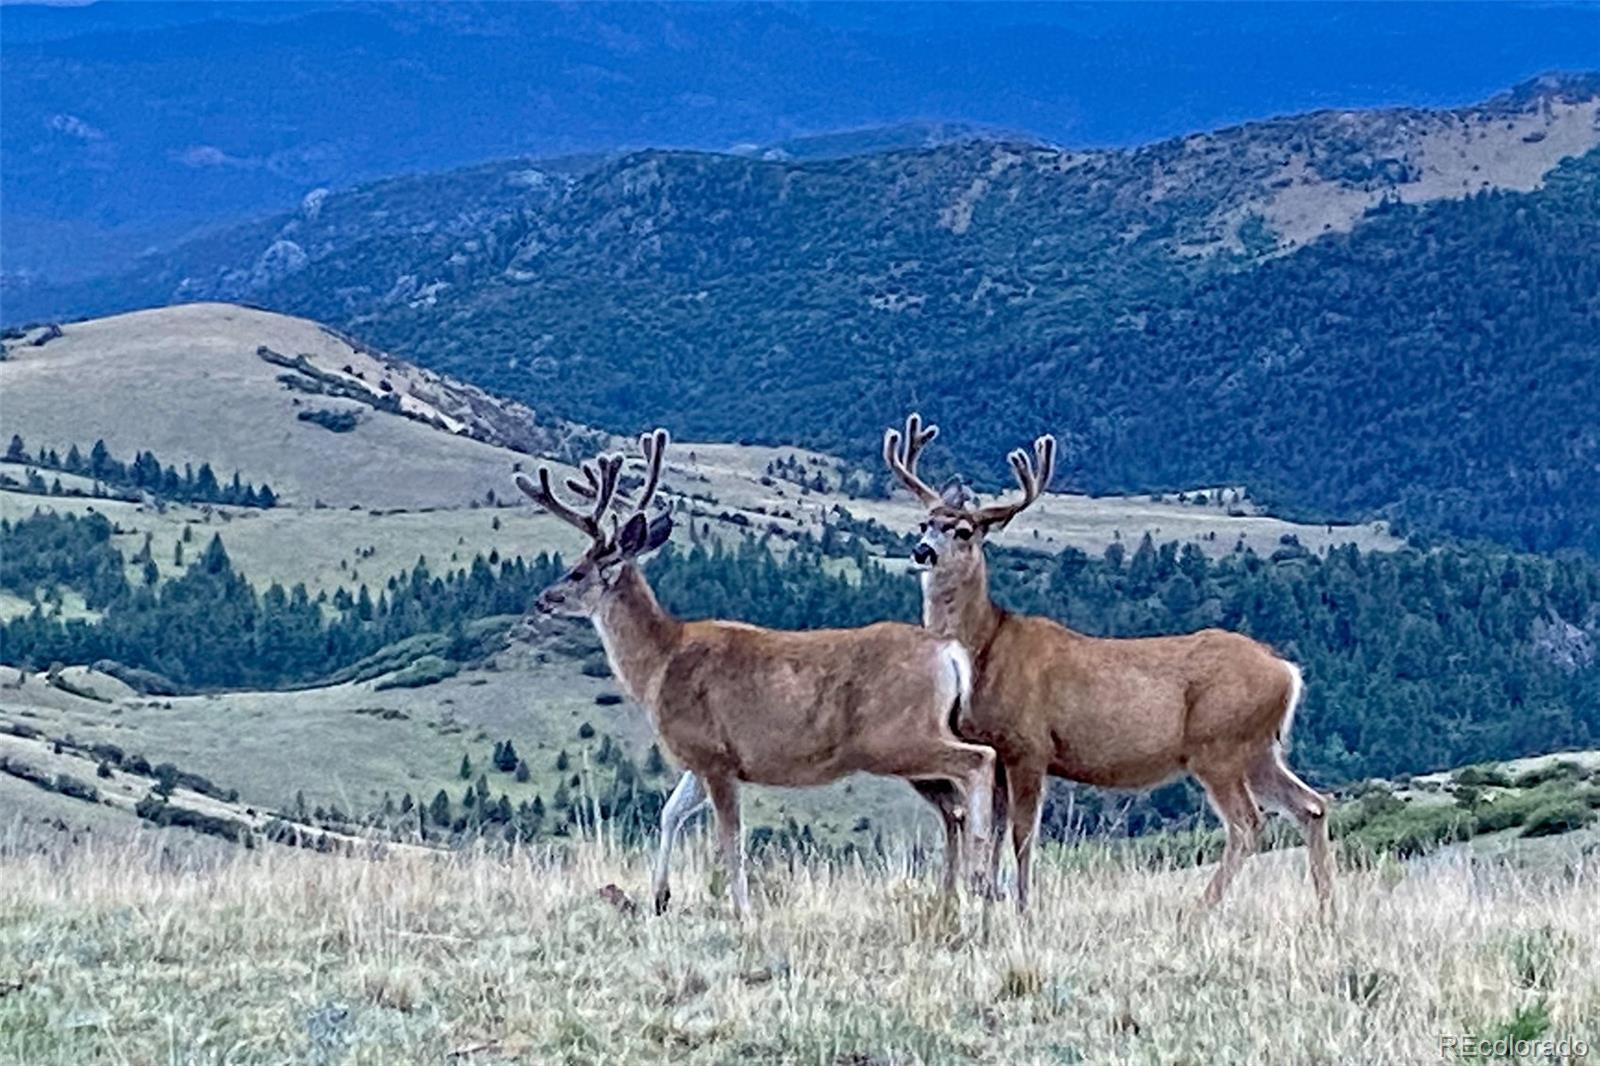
{"points": [[596, 666], [68, 785], [144, 682], [159, 812], [1411, 831], [1509, 810], [428, 670], [1482, 774], [336, 421], [1558, 816], [607, 699], [1558, 770]]}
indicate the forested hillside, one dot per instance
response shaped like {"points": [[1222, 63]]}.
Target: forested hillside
{"points": [[1369, 314], [1414, 660]]}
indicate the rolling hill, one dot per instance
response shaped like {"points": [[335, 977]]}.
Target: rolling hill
{"points": [[418, 475], [1189, 312]]}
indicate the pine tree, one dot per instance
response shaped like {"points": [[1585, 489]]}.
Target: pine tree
{"points": [[100, 461], [654, 764], [522, 771], [465, 773], [563, 763], [17, 452], [439, 809], [505, 757]]}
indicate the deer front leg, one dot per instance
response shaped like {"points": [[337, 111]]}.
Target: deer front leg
{"points": [[1001, 813], [724, 792], [687, 798]]}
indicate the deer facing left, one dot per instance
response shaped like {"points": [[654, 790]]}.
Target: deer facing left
{"points": [[735, 703]]}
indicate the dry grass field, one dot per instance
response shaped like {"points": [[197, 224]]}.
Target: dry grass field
{"points": [[113, 953]]}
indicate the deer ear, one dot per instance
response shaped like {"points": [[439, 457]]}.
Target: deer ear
{"points": [[640, 536], [635, 534], [660, 530]]}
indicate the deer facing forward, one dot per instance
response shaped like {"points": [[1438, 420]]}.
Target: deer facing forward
{"points": [[738, 703], [1116, 713]]}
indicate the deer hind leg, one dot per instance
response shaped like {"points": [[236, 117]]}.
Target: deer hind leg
{"points": [[685, 800], [970, 767], [1231, 799], [1285, 793], [1027, 804], [946, 799], [724, 791]]}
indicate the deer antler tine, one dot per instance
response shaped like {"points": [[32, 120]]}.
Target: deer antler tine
{"points": [[1044, 450], [1033, 476], [606, 484], [901, 456], [544, 495], [654, 447]]}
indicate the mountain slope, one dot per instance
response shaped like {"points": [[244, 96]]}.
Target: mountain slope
{"points": [[127, 129], [1192, 312]]}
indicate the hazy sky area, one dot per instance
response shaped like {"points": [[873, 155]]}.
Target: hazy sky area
{"points": [[127, 124]]}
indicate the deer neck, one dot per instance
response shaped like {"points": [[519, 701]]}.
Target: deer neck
{"points": [[958, 606], [638, 634]]}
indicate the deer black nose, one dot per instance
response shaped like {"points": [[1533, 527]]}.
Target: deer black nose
{"points": [[923, 555]]}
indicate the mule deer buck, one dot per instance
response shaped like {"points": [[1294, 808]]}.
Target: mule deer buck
{"points": [[738, 703], [1116, 713]]}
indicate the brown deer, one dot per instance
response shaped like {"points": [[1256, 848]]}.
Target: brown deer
{"points": [[1115, 713], [738, 703]]}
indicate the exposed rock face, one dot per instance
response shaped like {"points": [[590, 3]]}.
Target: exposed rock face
{"points": [[1567, 646]]}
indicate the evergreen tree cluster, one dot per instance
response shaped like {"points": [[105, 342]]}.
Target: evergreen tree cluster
{"points": [[46, 550], [209, 628], [145, 473]]}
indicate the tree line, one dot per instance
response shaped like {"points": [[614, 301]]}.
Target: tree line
{"points": [[1414, 659], [145, 473]]}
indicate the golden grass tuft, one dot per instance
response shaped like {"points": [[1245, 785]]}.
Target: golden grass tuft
{"points": [[124, 954]]}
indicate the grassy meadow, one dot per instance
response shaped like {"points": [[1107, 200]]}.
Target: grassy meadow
{"points": [[125, 953]]}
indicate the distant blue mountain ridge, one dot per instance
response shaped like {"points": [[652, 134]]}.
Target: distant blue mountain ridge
{"points": [[128, 126]]}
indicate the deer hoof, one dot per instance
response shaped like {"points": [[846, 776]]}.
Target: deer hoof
{"points": [[663, 898]]}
